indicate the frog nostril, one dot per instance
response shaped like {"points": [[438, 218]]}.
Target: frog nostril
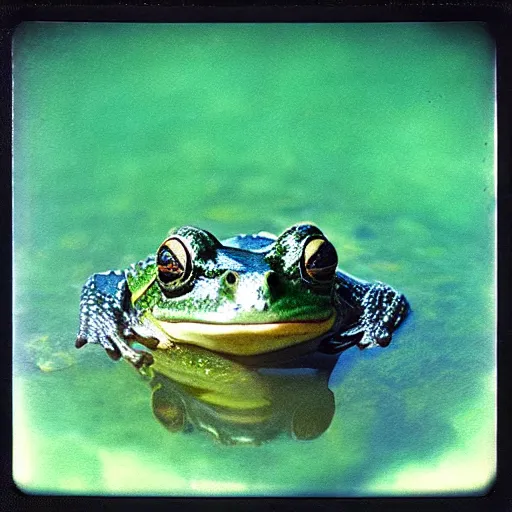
{"points": [[229, 284], [273, 286], [272, 279], [231, 277]]}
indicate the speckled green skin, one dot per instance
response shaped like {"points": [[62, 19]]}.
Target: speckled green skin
{"points": [[211, 298], [118, 306]]}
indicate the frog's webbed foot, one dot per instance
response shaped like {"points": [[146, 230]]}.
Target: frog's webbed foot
{"points": [[103, 320], [383, 310]]}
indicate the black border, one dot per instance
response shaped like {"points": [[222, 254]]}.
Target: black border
{"points": [[497, 15]]}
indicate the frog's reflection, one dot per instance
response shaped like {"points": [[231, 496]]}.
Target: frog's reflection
{"points": [[195, 389]]}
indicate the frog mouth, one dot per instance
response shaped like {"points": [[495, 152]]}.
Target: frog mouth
{"points": [[246, 339]]}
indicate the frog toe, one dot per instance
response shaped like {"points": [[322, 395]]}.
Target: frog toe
{"points": [[80, 341], [384, 339], [90, 334], [114, 353], [366, 341], [138, 358], [377, 337], [353, 331]]}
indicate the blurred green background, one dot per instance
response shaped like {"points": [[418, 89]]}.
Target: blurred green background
{"points": [[381, 134]]}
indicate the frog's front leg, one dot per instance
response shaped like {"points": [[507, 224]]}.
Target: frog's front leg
{"points": [[380, 309], [107, 317]]}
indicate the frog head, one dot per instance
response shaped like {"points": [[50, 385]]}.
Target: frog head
{"points": [[237, 300]]}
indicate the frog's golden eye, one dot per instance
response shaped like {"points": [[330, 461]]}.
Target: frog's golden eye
{"points": [[319, 260], [173, 262]]}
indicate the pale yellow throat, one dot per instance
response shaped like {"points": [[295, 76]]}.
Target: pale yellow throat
{"points": [[246, 339]]}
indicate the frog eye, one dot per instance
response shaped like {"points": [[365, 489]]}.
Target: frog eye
{"points": [[173, 262], [319, 260]]}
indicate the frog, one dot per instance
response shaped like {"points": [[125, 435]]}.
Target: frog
{"points": [[244, 296]]}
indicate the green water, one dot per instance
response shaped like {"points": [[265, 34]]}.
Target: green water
{"points": [[383, 135]]}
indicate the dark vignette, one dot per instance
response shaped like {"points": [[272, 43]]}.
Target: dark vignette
{"points": [[498, 19]]}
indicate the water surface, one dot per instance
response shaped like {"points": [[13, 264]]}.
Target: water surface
{"points": [[383, 135]]}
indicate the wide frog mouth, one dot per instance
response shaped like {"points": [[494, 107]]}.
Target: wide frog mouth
{"points": [[246, 339]]}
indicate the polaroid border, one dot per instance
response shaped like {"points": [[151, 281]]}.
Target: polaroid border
{"points": [[498, 18]]}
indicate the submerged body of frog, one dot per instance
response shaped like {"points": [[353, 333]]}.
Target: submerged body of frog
{"points": [[245, 296]]}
